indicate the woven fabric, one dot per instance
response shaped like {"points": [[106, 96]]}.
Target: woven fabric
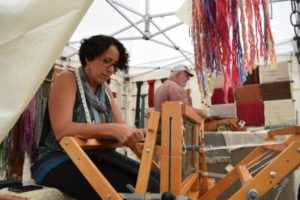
{"points": [[276, 91], [248, 94], [251, 113], [279, 113], [279, 73], [223, 110], [217, 156], [218, 97]]}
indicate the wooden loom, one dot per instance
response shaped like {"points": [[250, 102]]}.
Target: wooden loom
{"points": [[173, 178]]}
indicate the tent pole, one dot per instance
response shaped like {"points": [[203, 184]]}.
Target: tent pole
{"points": [[131, 38], [127, 27], [166, 29], [147, 20], [163, 14], [121, 13], [127, 8]]}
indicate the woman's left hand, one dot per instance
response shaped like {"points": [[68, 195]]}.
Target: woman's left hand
{"points": [[140, 134]]}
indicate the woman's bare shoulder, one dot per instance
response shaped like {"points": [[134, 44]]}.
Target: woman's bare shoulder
{"points": [[65, 76], [65, 79]]}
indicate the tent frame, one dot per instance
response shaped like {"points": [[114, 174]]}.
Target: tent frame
{"points": [[147, 19]]}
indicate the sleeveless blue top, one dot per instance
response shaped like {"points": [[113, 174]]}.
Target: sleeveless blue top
{"points": [[49, 153]]}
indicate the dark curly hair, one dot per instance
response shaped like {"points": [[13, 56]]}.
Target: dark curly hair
{"points": [[95, 46]]}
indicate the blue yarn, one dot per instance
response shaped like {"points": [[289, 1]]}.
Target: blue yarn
{"points": [[208, 11], [242, 74]]}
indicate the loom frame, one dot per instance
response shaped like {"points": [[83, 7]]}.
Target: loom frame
{"points": [[270, 175], [196, 185]]}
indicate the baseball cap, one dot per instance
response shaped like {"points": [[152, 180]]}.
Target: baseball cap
{"points": [[182, 67]]}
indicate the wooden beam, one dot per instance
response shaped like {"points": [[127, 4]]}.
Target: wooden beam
{"points": [[244, 174], [147, 155], [284, 131], [272, 173]]}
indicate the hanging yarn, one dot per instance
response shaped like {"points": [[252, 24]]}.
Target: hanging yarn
{"points": [[31, 122], [229, 37], [27, 127], [6, 149]]}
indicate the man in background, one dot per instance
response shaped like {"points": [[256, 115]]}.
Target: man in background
{"points": [[173, 89]]}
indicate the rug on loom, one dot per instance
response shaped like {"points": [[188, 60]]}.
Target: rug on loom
{"points": [[217, 156]]}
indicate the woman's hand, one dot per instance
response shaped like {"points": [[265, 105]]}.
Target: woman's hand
{"points": [[129, 136]]}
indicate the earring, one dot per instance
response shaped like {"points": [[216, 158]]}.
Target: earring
{"points": [[87, 68]]}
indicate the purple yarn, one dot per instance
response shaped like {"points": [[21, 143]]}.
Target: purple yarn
{"points": [[27, 127]]}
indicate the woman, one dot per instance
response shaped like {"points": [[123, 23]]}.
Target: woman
{"points": [[100, 57]]}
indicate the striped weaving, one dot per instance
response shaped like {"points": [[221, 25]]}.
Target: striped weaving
{"points": [[279, 113], [248, 93]]}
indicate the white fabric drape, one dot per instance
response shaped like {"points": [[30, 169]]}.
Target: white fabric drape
{"points": [[32, 35]]}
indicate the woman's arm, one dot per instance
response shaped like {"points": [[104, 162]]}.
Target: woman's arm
{"points": [[61, 103], [115, 109]]}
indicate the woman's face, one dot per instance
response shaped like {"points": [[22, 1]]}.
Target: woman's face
{"points": [[102, 67]]}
